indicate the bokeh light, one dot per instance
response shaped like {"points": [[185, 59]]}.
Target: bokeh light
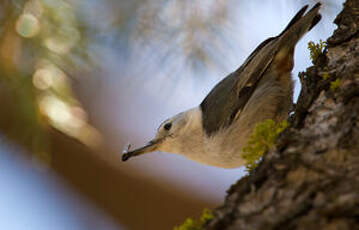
{"points": [[43, 78], [27, 25]]}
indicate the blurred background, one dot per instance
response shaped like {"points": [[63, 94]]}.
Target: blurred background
{"points": [[81, 79]]}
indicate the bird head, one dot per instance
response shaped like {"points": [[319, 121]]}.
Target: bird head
{"points": [[171, 135]]}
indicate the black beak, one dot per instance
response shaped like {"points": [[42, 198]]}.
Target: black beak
{"points": [[150, 147]]}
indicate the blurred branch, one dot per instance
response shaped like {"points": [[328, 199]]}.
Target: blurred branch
{"points": [[42, 115]]}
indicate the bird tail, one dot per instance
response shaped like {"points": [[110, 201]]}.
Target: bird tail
{"points": [[299, 25]]}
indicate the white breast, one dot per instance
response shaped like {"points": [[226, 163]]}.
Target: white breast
{"points": [[222, 149]]}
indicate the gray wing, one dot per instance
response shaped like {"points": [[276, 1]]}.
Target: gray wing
{"points": [[221, 105], [230, 95]]}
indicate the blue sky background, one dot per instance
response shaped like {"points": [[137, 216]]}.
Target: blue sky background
{"points": [[34, 198]]}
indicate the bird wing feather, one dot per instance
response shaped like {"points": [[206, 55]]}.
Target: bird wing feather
{"points": [[230, 95]]}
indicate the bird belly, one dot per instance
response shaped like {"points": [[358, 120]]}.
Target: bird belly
{"points": [[224, 148]]}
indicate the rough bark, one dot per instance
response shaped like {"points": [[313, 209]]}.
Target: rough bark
{"points": [[310, 180]]}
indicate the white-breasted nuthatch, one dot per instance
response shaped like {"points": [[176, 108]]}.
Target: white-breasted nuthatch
{"points": [[215, 132]]}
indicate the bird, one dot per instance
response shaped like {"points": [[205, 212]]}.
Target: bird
{"points": [[215, 132]]}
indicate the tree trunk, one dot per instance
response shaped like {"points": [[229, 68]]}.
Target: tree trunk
{"points": [[310, 180]]}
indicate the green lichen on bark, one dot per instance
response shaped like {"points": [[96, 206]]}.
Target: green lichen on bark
{"points": [[316, 49], [262, 139], [335, 84], [191, 224]]}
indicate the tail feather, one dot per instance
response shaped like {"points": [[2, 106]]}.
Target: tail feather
{"points": [[299, 25], [317, 17], [286, 41], [315, 21], [298, 16]]}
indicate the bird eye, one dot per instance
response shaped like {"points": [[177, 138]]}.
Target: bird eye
{"points": [[167, 126]]}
